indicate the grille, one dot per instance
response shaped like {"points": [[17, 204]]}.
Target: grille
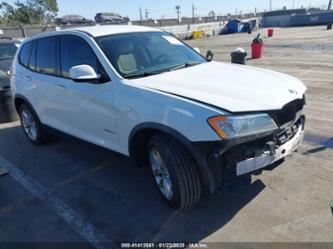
{"points": [[288, 113]]}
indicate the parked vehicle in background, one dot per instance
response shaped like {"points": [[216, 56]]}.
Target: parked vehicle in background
{"points": [[143, 93], [8, 48], [73, 20], [110, 18]]}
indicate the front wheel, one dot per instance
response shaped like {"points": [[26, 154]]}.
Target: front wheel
{"points": [[175, 171]]}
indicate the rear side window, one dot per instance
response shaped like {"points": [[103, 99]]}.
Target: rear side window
{"points": [[25, 54], [74, 52], [46, 55], [32, 61]]}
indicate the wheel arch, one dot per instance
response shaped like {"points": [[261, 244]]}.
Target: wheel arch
{"points": [[19, 100], [141, 134]]}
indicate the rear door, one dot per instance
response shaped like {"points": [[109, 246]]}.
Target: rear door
{"points": [[42, 75]]}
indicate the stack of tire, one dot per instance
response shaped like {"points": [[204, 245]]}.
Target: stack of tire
{"points": [[7, 109]]}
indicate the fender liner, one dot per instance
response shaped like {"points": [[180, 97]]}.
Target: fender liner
{"points": [[200, 159]]}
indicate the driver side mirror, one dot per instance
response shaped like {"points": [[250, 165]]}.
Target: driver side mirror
{"points": [[83, 73]]}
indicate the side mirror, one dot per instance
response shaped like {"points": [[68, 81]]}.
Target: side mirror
{"points": [[209, 55], [197, 50], [83, 73]]}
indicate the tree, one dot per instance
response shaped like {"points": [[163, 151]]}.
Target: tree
{"points": [[211, 13], [28, 12]]}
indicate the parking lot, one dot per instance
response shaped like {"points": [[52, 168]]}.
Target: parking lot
{"points": [[72, 191]]}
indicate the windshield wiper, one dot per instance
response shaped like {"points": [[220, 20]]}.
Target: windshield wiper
{"points": [[6, 58], [146, 74], [187, 64], [140, 75]]}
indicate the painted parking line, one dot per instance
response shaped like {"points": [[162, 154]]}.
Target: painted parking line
{"points": [[77, 222]]}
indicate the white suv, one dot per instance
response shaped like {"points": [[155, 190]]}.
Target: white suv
{"points": [[143, 93]]}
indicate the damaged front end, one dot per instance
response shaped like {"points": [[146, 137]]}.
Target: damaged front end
{"points": [[241, 156]]}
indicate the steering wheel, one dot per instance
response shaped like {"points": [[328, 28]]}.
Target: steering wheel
{"points": [[162, 57]]}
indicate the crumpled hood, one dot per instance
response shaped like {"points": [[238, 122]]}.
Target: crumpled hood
{"points": [[236, 88]]}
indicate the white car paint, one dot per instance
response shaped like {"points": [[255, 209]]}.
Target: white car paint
{"points": [[106, 114], [236, 88]]}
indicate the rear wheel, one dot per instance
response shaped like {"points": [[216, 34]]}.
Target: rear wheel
{"points": [[31, 125], [175, 171]]}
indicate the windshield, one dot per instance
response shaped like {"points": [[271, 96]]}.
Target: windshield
{"points": [[143, 54], [7, 51]]}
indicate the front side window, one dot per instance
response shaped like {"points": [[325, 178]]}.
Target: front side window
{"points": [[46, 55], [74, 52], [145, 53]]}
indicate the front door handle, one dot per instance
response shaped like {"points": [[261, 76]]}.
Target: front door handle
{"points": [[28, 78], [62, 87]]}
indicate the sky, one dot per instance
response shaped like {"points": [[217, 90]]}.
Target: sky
{"points": [[166, 9]]}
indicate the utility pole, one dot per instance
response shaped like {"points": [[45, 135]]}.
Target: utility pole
{"points": [[146, 14], [329, 5], [140, 11], [293, 4], [270, 5], [193, 13], [178, 12]]}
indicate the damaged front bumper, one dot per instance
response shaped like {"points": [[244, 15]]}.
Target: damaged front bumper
{"points": [[242, 156], [275, 153]]}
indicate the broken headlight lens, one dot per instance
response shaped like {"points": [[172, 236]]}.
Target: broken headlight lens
{"points": [[228, 127]]}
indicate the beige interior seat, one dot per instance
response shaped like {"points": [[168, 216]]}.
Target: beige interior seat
{"points": [[127, 63]]}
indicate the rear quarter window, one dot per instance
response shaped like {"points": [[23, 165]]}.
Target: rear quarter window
{"points": [[25, 54]]}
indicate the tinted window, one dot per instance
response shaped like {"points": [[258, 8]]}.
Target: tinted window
{"points": [[73, 52], [25, 54], [32, 61], [46, 55]]}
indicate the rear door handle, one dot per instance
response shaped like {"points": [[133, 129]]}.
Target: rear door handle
{"points": [[62, 87], [28, 78]]}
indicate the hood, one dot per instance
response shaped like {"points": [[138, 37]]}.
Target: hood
{"points": [[232, 87]]}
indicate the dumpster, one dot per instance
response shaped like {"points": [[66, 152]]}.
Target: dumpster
{"points": [[257, 47], [7, 109], [238, 56]]}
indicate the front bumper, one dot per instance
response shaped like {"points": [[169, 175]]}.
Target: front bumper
{"points": [[232, 158], [271, 156]]}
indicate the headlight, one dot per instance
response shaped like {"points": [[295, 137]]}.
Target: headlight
{"points": [[228, 127]]}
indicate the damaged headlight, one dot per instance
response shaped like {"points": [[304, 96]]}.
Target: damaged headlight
{"points": [[228, 127]]}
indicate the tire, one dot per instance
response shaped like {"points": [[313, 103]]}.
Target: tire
{"points": [[31, 126], [181, 171]]}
